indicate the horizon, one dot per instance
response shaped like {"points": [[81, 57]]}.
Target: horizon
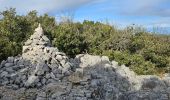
{"points": [[151, 14]]}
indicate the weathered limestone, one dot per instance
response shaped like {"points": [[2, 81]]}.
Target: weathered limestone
{"points": [[44, 73]]}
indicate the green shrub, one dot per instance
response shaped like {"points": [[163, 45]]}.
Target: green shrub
{"points": [[69, 39], [136, 62]]}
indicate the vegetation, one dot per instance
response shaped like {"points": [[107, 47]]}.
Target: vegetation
{"points": [[143, 52]]}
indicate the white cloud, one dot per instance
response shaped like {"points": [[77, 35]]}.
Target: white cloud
{"points": [[146, 7], [139, 7], [43, 6], [127, 7]]}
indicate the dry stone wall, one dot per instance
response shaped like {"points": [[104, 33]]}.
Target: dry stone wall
{"points": [[44, 73]]}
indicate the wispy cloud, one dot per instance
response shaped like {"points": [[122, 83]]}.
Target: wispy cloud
{"points": [[148, 7], [124, 7], [139, 7], [43, 6]]}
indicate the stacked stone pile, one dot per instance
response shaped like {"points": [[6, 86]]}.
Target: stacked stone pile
{"points": [[44, 73], [39, 64]]}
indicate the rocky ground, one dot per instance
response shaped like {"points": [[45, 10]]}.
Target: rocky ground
{"points": [[44, 73]]}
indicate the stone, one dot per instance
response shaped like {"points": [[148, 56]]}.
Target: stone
{"points": [[15, 87], [24, 70], [63, 62], [24, 77], [13, 75], [88, 94], [16, 67], [56, 88], [39, 84], [95, 75], [75, 78], [25, 49], [44, 81], [45, 38], [41, 43], [78, 93], [41, 98], [39, 30], [79, 71], [115, 64], [4, 74], [81, 98], [59, 57], [52, 80], [105, 59], [167, 81], [167, 74], [60, 53], [15, 61], [64, 70], [107, 67], [17, 80], [56, 70], [9, 64], [22, 66], [58, 76], [149, 84], [20, 62], [94, 83], [10, 60], [39, 72], [48, 76], [3, 63], [67, 73], [52, 75], [57, 94], [88, 60], [46, 68], [41, 68], [67, 66], [32, 79], [111, 93], [28, 42], [9, 70]]}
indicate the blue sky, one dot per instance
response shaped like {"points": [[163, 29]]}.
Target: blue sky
{"points": [[147, 13]]}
